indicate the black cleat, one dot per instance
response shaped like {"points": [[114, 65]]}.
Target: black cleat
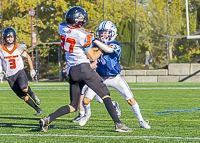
{"points": [[44, 123]]}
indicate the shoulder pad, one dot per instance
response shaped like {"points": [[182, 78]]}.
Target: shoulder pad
{"points": [[21, 46]]}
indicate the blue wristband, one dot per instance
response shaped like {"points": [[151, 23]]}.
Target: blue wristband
{"points": [[87, 48]]}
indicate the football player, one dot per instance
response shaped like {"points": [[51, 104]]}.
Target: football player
{"points": [[109, 69], [77, 44], [10, 57]]}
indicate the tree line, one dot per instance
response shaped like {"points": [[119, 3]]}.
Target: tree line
{"points": [[160, 26]]}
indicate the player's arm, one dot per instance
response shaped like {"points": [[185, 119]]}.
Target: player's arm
{"points": [[104, 47], [92, 54], [29, 61], [32, 71], [2, 73]]}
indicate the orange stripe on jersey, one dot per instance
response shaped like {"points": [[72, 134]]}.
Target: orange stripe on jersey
{"points": [[87, 44], [10, 52], [22, 52], [73, 27], [87, 30]]}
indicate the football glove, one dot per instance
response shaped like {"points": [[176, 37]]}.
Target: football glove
{"points": [[2, 73], [32, 73], [93, 35]]}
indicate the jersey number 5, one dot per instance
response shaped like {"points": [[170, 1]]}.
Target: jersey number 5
{"points": [[69, 48], [12, 63]]}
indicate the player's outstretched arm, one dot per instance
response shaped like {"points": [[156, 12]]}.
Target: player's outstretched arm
{"points": [[104, 47]]}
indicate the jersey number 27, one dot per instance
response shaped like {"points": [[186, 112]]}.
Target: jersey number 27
{"points": [[69, 40]]}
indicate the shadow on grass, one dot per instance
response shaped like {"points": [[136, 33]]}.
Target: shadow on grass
{"points": [[36, 127], [20, 118]]}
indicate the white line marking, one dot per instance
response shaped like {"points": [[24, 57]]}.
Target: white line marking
{"points": [[89, 136], [133, 88]]}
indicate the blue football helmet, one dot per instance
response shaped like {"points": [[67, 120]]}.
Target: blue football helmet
{"points": [[110, 28]]}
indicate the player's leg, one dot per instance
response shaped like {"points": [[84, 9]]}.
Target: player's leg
{"points": [[81, 110], [15, 87], [122, 87], [75, 91], [93, 80], [89, 95], [81, 106], [23, 83], [115, 105]]}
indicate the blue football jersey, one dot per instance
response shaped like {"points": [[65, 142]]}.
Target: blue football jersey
{"points": [[108, 63]]}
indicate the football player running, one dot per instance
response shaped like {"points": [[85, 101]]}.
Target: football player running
{"points": [[109, 69], [13, 65], [77, 43]]}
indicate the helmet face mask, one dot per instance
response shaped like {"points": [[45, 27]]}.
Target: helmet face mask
{"points": [[106, 31], [76, 17], [9, 32]]}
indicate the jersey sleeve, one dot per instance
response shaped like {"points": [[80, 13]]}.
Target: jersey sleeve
{"points": [[22, 48], [116, 48], [85, 37]]}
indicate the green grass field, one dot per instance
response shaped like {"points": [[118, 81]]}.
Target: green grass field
{"points": [[172, 109]]}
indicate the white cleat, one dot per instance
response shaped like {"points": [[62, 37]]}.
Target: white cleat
{"points": [[84, 119], [145, 124]]}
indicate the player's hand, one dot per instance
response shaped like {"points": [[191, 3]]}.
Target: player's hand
{"points": [[32, 73], [93, 65], [2, 73], [93, 35]]}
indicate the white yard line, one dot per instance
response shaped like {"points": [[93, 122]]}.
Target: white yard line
{"points": [[89, 136], [133, 88]]}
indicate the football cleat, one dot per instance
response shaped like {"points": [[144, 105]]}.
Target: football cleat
{"points": [[145, 124], [44, 123], [121, 127], [116, 106], [84, 119], [35, 98], [77, 119], [39, 112]]}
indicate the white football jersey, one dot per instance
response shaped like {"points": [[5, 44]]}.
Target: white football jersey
{"points": [[73, 40], [11, 58]]}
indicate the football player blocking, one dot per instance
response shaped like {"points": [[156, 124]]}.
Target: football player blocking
{"points": [[77, 42], [10, 57], [109, 69]]}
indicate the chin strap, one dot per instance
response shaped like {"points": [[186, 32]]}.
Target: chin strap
{"points": [[103, 46]]}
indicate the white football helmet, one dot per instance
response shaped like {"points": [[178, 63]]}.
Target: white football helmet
{"points": [[109, 27]]}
